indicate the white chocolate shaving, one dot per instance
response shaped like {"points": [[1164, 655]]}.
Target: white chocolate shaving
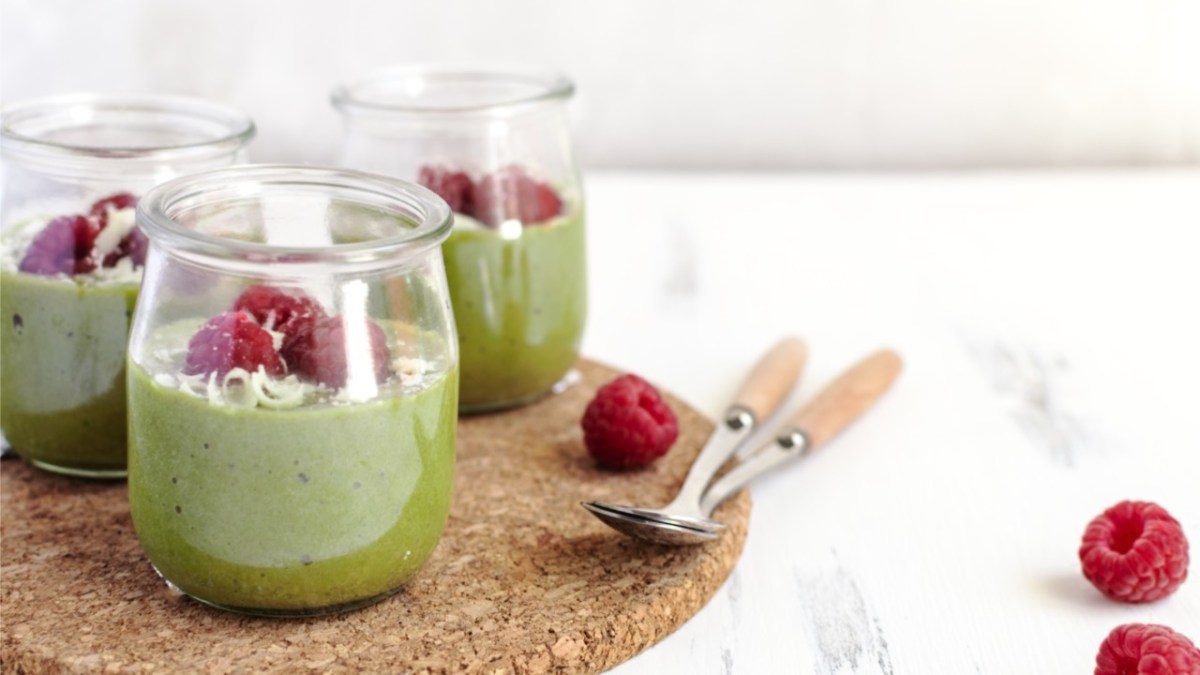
{"points": [[242, 389], [411, 371], [278, 394], [235, 389], [120, 223], [276, 337]]}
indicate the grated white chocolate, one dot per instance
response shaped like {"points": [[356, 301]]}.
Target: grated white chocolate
{"points": [[120, 223], [240, 388]]}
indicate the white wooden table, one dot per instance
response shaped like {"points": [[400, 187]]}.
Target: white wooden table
{"points": [[1050, 324]]}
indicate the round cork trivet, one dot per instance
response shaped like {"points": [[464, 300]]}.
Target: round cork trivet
{"points": [[522, 581]]}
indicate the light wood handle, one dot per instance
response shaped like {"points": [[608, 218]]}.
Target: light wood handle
{"points": [[848, 397], [772, 378]]}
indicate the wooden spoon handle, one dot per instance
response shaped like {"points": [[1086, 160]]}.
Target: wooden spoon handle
{"points": [[848, 397], [839, 404], [772, 378]]}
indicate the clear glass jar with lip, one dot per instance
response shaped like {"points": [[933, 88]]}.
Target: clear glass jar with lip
{"points": [[71, 259], [293, 387], [494, 143]]}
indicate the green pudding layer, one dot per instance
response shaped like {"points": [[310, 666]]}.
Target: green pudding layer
{"points": [[62, 371], [300, 511], [520, 306]]}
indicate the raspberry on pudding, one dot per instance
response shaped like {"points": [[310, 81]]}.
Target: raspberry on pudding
{"points": [[281, 310], [232, 340], [283, 332], [77, 244], [456, 187], [318, 351]]}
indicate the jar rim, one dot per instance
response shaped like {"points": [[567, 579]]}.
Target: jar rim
{"points": [[537, 85], [235, 128], [430, 213]]}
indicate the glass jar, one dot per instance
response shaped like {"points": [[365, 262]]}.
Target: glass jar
{"points": [[293, 387], [71, 259], [494, 144]]}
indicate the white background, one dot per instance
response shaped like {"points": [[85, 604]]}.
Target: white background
{"points": [[677, 83]]}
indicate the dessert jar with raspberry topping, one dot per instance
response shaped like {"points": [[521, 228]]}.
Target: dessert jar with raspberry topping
{"points": [[293, 387], [494, 143], [71, 259]]}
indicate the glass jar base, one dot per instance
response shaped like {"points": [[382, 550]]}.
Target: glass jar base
{"points": [[570, 379], [300, 613], [77, 472]]}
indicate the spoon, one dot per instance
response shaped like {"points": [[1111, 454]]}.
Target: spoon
{"points": [[764, 389], [840, 403]]}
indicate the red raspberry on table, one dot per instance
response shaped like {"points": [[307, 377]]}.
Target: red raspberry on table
{"points": [[317, 352], [627, 424], [1147, 649], [1134, 552], [453, 186], [278, 309], [512, 193], [64, 246], [232, 340]]}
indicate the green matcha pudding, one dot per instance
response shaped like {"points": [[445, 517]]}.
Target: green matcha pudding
{"points": [[62, 369], [263, 479], [517, 273], [520, 306], [65, 324]]}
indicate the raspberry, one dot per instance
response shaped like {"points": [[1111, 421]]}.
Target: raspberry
{"points": [[278, 309], [1134, 552], [512, 193], [64, 246], [453, 186], [317, 351], [627, 424], [1147, 649], [232, 340]]}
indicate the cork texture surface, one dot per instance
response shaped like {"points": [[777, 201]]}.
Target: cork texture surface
{"points": [[522, 581]]}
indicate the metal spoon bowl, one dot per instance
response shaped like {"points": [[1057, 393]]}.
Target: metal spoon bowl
{"points": [[655, 530], [654, 515], [662, 515]]}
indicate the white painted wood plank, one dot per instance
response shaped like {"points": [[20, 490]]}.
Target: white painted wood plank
{"points": [[1049, 326]]}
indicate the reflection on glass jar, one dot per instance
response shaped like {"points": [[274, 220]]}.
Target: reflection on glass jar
{"points": [[293, 387], [71, 259], [494, 144]]}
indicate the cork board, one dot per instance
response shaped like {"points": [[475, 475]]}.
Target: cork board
{"points": [[523, 580]]}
